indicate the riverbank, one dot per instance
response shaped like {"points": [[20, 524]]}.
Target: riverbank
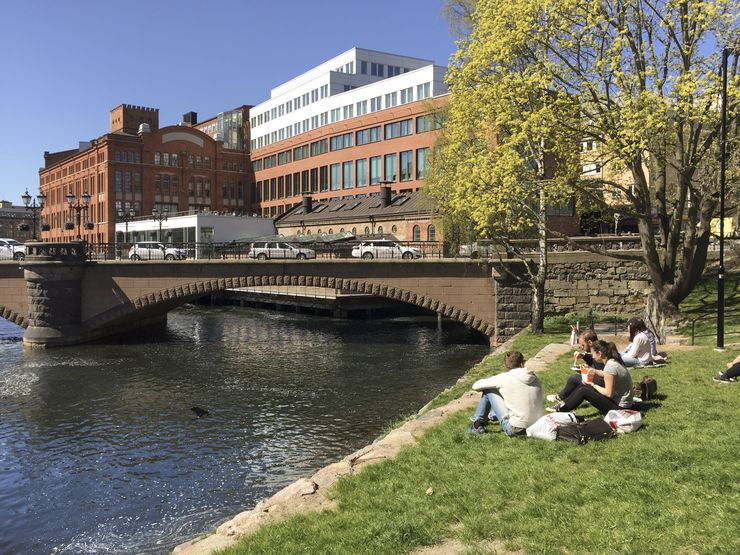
{"points": [[454, 491]]}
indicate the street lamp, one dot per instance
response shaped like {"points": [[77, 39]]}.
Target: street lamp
{"points": [[723, 154], [125, 216], [77, 207], [159, 216], [34, 207]]}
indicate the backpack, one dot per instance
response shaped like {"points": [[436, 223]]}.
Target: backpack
{"points": [[645, 389], [583, 432]]}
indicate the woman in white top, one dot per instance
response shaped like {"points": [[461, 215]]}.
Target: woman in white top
{"points": [[638, 352]]}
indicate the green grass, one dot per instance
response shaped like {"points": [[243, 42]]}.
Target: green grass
{"points": [[669, 488], [701, 306]]}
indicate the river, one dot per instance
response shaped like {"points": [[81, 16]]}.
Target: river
{"points": [[100, 452]]}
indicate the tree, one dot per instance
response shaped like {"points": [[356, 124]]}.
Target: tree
{"points": [[638, 76]]}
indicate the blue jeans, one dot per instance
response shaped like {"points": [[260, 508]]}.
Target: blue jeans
{"points": [[630, 362], [492, 407]]}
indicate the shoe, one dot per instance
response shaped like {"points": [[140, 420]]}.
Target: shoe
{"points": [[553, 408], [721, 378], [552, 399], [476, 429]]}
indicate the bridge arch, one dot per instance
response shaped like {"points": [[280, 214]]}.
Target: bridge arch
{"points": [[167, 299], [13, 316]]}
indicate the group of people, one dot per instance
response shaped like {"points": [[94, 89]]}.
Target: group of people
{"points": [[514, 398]]}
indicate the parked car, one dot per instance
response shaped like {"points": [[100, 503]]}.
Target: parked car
{"points": [[262, 250], [10, 249], [153, 250], [478, 249], [384, 248]]}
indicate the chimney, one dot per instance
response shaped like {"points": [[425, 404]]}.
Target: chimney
{"points": [[385, 196], [191, 118], [307, 204]]}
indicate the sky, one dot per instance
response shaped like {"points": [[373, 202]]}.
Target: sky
{"points": [[64, 64]]}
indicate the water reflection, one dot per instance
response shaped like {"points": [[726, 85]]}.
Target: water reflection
{"points": [[99, 452]]}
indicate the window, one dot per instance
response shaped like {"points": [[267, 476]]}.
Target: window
{"points": [[268, 161], [374, 170], [335, 115], [390, 167], [157, 184], [361, 175], [323, 180], [431, 233], [335, 182], [363, 67], [394, 229], [348, 111], [398, 129], [347, 175], [407, 165], [377, 69], [285, 157], [119, 182], [301, 152], [407, 95], [422, 163], [319, 147], [391, 99], [362, 108], [428, 123], [375, 104], [338, 142], [366, 136], [416, 233], [423, 91], [157, 158]]}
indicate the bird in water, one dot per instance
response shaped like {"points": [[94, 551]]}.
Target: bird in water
{"points": [[199, 412]]}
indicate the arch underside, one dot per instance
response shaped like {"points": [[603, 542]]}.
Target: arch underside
{"points": [[167, 299], [13, 316]]}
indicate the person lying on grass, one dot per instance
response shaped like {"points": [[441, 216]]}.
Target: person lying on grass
{"points": [[514, 398], [616, 393], [585, 340], [730, 375]]}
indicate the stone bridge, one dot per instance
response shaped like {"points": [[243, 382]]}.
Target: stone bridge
{"points": [[63, 299]]}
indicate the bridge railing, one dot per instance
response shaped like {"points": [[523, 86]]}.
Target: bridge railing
{"points": [[245, 251]]}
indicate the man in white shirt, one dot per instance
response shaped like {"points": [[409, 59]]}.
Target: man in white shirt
{"points": [[514, 398]]}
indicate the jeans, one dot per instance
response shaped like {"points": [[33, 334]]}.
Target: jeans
{"points": [[630, 362], [492, 407], [573, 382], [600, 402]]}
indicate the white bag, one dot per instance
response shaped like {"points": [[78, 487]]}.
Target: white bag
{"points": [[547, 426], [624, 420]]}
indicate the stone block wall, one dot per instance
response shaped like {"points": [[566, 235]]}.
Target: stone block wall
{"points": [[578, 282]]}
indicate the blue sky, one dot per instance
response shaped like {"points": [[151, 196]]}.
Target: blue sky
{"points": [[65, 64]]}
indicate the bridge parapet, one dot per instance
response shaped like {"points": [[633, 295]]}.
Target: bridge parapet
{"points": [[71, 252]]}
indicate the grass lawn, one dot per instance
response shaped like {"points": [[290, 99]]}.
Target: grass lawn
{"points": [[671, 487]]}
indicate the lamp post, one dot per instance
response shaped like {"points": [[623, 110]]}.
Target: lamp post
{"points": [[159, 216], [722, 158], [126, 216], [34, 207], [77, 207]]}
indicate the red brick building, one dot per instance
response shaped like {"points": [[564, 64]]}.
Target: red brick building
{"points": [[138, 166]]}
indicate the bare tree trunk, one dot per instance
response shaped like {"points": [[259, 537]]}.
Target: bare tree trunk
{"points": [[539, 279]]}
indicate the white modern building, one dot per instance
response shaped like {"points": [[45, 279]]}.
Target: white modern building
{"points": [[355, 83], [195, 228]]}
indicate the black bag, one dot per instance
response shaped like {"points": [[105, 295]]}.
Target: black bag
{"points": [[646, 389], [583, 432]]}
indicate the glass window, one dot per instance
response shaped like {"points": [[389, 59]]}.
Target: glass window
{"points": [[362, 108], [375, 170], [390, 167], [391, 99], [166, 159], [119, 182], [347, 175], [407, 95], [157, 158], [361, 175], [339, 142], [423, 91], [431, 233], [336, 177], [375, 104], [319, 147], [366, 136], [407, 165], [422, 163], [323, 180], [416, 233]]}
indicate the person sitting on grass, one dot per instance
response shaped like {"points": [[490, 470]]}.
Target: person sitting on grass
{"points": [[638, 351], [585, 340], [514, 398], [730, 375], [616, 393]]}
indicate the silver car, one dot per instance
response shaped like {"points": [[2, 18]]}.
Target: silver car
{"points": [[262, 250], [10, 249], [383, 248], [153, 250]]}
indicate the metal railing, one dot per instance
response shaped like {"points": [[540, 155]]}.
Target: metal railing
{"points": [[401, 250]]}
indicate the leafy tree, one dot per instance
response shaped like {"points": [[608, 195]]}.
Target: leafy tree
{"points": [[638, 76]]}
